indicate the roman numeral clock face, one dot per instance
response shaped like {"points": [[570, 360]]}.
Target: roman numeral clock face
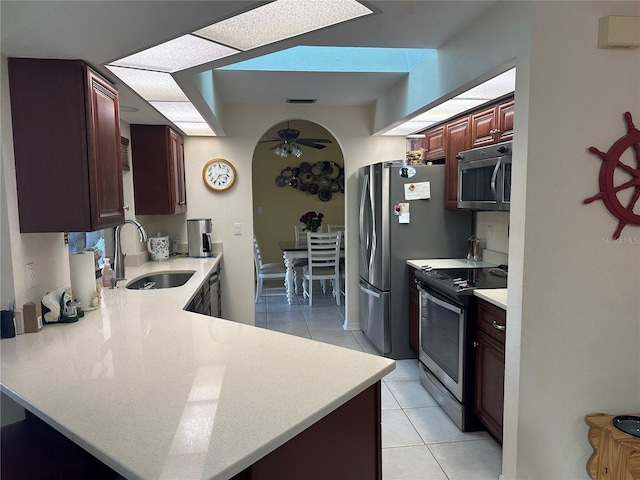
{"points": [[219, 175]]}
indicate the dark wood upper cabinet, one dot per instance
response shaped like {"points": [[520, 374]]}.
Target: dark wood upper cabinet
{"points": [[66, 135], [457, 139], [492, 125], [158, 170], [486, 126], [434, 144]]}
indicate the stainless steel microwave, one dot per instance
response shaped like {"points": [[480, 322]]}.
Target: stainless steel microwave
{"points": [[484, 178]]}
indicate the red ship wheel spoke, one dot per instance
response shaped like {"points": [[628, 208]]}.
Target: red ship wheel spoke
{"points": [[611, 162]]}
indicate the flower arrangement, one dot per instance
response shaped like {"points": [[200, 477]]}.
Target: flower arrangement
{"points": [[312, 221]]}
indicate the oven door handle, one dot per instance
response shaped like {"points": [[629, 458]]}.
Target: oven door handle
{"points": [[441, 303]]}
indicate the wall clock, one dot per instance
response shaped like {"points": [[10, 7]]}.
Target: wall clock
{"points": [[219, 175]]}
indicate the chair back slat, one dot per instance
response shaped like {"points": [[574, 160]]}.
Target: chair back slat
{"points": [[323, 250], [301, 233]]}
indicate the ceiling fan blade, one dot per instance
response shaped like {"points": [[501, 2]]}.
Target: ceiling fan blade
{"points": [[266, 140], [315, 140], [307, 143]]}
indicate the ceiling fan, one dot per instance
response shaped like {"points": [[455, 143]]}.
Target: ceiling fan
{"points": [[289, 142]]}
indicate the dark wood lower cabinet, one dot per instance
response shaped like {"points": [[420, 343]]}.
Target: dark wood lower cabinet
{"points": [[490, 357], [344, 445]]}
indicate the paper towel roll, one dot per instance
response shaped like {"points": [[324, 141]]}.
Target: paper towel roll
{"points": [[83, 277]]}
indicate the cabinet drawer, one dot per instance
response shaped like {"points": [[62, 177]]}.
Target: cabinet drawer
{"points": [[492, 320]]}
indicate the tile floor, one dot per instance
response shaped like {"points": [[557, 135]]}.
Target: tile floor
{"points": [[419, 441]]}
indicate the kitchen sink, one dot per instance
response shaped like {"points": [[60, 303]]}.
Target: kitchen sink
{"points": [[153, 281]]}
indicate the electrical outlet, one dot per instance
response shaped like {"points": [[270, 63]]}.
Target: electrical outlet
{"points": [[237, 229], [259, 210], [489, 234], [31, 275]]}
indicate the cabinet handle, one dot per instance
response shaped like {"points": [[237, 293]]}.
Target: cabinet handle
{"points": [[475, 344], [499, 327]]}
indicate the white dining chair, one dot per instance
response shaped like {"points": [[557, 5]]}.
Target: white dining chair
{"points": [[267, 271], [323, 251], [334, 227], [298, 263]]}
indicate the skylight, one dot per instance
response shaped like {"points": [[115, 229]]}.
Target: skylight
{"points": [[148, 72], [485, 92], [335, 59]]}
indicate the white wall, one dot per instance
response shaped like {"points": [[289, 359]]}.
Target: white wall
{"points": [[245, 125], [46, 251], [580, 313]]}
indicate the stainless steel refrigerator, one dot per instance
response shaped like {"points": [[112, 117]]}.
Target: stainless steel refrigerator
{"points": [[387, 242]]}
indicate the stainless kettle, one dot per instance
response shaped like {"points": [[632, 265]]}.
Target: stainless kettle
{"points": [[473, 252]]}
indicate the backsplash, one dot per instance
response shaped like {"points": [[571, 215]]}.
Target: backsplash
{"points": [[492, 228]]}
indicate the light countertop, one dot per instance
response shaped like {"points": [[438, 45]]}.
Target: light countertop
{"points": [[496, 296], [155, 391]]}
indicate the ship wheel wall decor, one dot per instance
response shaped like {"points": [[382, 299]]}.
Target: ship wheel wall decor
{"points": [[610, 164]]}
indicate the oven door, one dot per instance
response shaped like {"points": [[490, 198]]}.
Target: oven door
{"points": [[442, 339]]}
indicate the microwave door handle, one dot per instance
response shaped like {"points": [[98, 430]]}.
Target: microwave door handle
{"points": [[494, 177]]}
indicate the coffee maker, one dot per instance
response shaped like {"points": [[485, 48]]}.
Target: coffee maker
{"points": [[198, 234]]}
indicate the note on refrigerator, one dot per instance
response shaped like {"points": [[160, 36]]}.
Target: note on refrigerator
{"points": [[417, 190]]}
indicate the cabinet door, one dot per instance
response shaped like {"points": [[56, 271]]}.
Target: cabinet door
{"points": [[483, 126], [158, 170], [414, 312], [457, 139], [505, 113], [105, 166], [66, 140], [434, 144], [489, 401], [177, 164]]}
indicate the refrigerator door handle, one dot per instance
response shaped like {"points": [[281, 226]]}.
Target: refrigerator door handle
{"points": [[363, 241], [370, 292], [374, 237]]}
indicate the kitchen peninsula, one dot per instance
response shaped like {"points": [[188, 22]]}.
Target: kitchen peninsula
{"points": [[154, 391]]}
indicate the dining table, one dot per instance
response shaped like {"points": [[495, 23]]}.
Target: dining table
{"points": [[291, 251]]}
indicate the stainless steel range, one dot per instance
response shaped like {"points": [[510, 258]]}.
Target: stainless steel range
{"points": [[445, 335]]}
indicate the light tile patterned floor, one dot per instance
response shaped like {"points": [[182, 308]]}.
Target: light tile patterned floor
{"points": [[419, 441]]}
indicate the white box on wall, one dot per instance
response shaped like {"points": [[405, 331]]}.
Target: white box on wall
{"points": [[617, 31]]}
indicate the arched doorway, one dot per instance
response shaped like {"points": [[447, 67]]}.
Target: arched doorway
{"points": [[278, 203], [286, 187]]}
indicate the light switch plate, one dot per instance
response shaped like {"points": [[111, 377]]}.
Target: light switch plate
{"points": [[237, 229]]}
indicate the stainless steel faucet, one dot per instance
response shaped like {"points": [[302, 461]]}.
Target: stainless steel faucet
{"points": [[118, 263]]}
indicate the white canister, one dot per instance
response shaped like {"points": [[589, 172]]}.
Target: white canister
{"points": [[158, 247]]}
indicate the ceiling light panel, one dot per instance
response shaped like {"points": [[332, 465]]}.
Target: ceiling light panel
{"points": [[408, 128], [177, 54], [199, 129], [494, 88], [152, 86], [448, 109], [178, 111], [281, 19]]}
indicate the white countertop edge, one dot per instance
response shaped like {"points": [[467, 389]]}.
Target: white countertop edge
{"points": [[371, 372], [496, 296]]}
